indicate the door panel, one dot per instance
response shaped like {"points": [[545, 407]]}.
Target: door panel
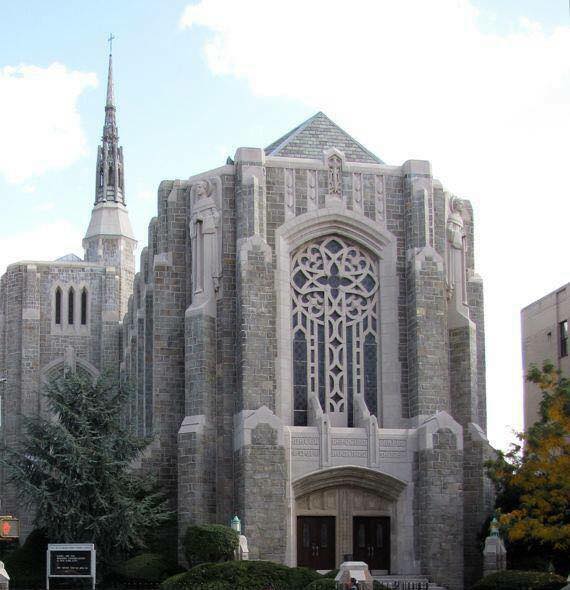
{"points": [[371, 541], [316, 542]]}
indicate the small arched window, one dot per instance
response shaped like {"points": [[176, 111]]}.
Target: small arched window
{"points": [[58, 306], [111, 180], [70, 306], [84, 307], [101, 177]]}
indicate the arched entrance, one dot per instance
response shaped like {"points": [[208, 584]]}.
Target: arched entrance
{"points": [[346, 513]]}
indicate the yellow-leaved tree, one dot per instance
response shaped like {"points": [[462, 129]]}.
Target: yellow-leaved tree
{"points": [[533, 478]]}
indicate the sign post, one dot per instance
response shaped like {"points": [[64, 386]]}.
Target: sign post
{"points": [[70, 560]]}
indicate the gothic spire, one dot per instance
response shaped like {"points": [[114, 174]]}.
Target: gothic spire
{"points": [[110, 170]]}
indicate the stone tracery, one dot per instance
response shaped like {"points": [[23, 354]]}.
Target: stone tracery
{"points": [[335, 326]]}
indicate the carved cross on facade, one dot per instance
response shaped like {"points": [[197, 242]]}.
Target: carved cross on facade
{"points": [[335, 176]]}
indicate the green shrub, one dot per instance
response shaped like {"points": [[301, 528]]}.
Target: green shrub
{"points": [[150, 567], [209, 543], [237, 575], [26, 566], [332, 574], [518, 580], [322, 584]]}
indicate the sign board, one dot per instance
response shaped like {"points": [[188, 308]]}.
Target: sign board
{"points": [[70, 560], [9, 527]]}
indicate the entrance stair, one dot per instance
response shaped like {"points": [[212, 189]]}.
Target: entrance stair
{"points": [[407, 582]]}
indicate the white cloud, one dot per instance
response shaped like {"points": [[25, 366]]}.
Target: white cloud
{"points": [[417, 79], [43, 207], [39, 121], [44, 242]]}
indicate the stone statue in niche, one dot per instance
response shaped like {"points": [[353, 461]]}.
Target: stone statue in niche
{"points": [[456, 251], [205, 235], [335, 176]]}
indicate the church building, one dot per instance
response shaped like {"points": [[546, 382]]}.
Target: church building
{"points": [[305, 341]]}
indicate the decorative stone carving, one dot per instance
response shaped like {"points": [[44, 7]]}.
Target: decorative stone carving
{"points": [[289, 193], [205, 235], [335, 176], [456, 250], [312, 201], [335, 328], [379, 197], [357, 201]]}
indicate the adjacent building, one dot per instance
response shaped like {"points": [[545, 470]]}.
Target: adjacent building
{"points": [[305, 340], [544, 326]]}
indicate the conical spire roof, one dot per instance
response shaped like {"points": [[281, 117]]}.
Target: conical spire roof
{"points": [[110, 91]]}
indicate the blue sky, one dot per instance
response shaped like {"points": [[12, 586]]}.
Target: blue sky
{"points": [[481, 88]]}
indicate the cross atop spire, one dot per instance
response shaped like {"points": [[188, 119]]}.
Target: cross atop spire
{"points": [[110, 40], [110, 172]]}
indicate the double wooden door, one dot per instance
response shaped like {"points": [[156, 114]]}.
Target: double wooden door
{"points": [[371, 541], [316, 542]]}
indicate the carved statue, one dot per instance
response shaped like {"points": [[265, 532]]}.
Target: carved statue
{"points": [[335, 176], [205, 239], [457, 246]]}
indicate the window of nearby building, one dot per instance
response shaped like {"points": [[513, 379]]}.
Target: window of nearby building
{"points": [[84, 307], [335, 328], [70, 305], [58, 306], [563, 335]]}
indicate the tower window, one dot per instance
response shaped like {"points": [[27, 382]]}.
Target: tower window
{"points": [[58, 306], [111, 180], [563, 337], [70, 306], [84, 307]]}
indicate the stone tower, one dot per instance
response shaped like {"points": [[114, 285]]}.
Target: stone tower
{"points": [[109, 239]]}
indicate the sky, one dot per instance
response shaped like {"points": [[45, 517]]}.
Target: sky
{"points": [[481, 88]]}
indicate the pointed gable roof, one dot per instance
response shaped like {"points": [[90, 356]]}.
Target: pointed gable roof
{"points": [[316, 135]]}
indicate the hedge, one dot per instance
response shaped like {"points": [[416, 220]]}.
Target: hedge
{"points": [[209, 544], [519, 580], [147, 567], [237, 575]]}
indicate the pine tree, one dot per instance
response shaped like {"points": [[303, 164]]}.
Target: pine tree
{"points": [[74, 470], [533, 478]]}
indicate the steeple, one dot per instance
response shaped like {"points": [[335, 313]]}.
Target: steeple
{"points": [[110, 177], [109, 239]]}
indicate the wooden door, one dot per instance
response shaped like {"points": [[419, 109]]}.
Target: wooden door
{"points": [[316, 542], [371, 541]]}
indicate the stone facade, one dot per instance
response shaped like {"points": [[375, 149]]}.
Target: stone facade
{"points": [[306, 341], [305, 345]]}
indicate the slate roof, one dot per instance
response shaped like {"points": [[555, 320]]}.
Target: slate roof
{"points": [[315, 135], [69, 258]]}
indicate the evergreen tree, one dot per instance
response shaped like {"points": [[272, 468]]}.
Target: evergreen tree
{"points": [[74, 470], [533, 479]]}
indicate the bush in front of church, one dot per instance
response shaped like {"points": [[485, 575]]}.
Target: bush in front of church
{"points": [[515, 580], [247, 575], [209, 543], [147, 567]]}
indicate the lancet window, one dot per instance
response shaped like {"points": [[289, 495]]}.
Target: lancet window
{"points": [[84, 306], [70, 306], [58, 306], [334, 286]]}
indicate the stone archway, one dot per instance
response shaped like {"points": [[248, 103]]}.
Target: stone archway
{"points": [[337, 498]]}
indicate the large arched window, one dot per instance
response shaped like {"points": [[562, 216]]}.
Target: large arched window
{"points": [[334, 286], [58, 306]]}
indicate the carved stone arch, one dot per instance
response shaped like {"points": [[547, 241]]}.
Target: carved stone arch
{"points": [[377, 482], [56, 368], [378, 241]]}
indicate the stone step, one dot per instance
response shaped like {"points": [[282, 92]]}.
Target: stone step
{"points": [[412, 582]]}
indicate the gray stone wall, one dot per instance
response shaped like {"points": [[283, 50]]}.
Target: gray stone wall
{"points": [[438, 509]]}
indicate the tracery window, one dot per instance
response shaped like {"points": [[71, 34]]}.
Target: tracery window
{"points": [[334, 285]]}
